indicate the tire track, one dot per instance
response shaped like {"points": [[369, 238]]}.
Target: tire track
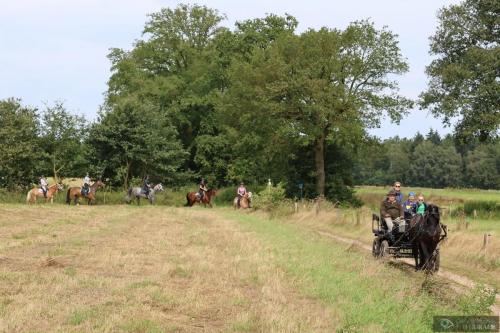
{"points": [[458, 279]]}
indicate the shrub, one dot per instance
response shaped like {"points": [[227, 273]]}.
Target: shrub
{"points": [[269, 198]]}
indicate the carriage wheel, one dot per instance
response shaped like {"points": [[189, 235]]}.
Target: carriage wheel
{"points": [[376, 247], [384, 249]]}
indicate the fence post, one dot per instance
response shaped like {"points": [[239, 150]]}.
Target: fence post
{"points": [[296, 207], [485, 243], [358, 216]]}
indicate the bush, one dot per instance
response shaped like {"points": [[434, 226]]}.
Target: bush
{"points": [[483, 208], [269, 198]]}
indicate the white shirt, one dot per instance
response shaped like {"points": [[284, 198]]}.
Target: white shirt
{"points": [[86, 180], [43, 182]]}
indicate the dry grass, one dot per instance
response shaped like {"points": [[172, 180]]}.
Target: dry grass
{"points": [[96, 269]]}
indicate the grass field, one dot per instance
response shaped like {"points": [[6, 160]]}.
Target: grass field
{"points": [[166, 269]]}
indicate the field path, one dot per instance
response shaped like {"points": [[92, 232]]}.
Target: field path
{"points": [[458, 279]]}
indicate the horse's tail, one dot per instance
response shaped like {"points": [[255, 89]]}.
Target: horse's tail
{"points": [[68, 199], [28, 197], [187, 200]]}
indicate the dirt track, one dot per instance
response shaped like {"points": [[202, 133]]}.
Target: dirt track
{"points": [[458, 279]]}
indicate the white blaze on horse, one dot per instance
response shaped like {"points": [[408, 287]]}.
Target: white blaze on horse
{"points": [[244, 201], [138, 193], [37, 192]]}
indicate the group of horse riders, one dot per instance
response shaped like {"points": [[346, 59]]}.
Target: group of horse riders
{"points": [[241, 191], [85, 188], [393, 208], [146, 187]]}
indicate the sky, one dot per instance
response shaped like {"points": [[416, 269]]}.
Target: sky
{"points": [[55, 50]]}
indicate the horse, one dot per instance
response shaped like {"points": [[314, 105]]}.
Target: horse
{"points": [[74, 193], [426, 235], [192, 198], [138, 194], [244, 202], [37, 192]]}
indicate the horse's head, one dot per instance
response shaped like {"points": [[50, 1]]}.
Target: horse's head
{"points": [[60, 187], [212, 192], [158, 187], [99, 184], [249, 195], [432, 213]]}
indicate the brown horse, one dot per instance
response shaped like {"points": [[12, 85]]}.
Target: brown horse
{"points": [[74, 193], [244, 201], [37, 192], [192, 198], [426, 235]]}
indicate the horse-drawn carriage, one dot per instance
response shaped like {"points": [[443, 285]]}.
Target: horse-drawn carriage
{"points": [[420, 241]]}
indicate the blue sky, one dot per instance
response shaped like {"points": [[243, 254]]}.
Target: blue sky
{"points": [[56, 49]]}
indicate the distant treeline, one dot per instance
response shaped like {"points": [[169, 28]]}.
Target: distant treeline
{"points": [[195, 99], [429, 161]]}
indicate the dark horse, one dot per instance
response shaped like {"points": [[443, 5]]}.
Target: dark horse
{"points": [[426, 235], [192, 197], [76, 192]]}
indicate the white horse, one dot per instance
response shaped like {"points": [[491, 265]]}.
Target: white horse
{"points": [[138, 193]]}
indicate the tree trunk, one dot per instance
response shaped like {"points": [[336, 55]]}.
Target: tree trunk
{"points": [[127, 175], [319, 159]]}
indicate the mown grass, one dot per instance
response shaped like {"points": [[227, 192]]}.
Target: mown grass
{"points": [[367, 295]]}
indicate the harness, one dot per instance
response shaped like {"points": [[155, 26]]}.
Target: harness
{"points": [[419, 226]]}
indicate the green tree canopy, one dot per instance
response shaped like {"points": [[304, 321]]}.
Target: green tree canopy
{"points": [[465, 74]]}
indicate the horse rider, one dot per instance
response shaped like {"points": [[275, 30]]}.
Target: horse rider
{"points": [[399, 195], [390, 209], [43, 186], [146, 186], [240, 192], [410, 206], [86, 185], [202, 188]]}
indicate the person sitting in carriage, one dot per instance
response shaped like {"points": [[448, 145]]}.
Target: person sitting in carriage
{"points": [[410, 206], [43, 186], [240, 192], [390, 210], [146, 186], [86, 185], [202, 188]]}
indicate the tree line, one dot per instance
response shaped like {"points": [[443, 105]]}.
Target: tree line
{"points": [[260, 101], [429, 161]]}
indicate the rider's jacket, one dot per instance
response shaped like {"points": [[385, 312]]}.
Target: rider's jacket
{"points": [[421, 208], [393, 209], [410, 208], [241, 191], [43, 182], [399, 197], [86, 181]]}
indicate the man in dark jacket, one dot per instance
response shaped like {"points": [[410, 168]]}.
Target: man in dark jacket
{"points": [[390, 209]]}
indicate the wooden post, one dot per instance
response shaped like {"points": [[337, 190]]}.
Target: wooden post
{"points": [[296, 207], [485, 243]]}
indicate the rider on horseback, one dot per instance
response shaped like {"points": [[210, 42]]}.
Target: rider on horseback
{"points": [[241, 191], [146, 187], [202, 189], [86, 185], [43, 186]]}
